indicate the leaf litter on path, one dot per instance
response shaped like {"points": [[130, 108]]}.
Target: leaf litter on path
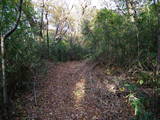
{"points": [[76, 91]]}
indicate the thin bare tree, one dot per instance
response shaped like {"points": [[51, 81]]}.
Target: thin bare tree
{"points": [[3, 38]]}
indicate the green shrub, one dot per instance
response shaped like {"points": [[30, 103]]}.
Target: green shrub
{"points": [[64, 51], [148, 78]]}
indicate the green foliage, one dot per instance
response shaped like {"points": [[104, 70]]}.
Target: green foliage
{"points": [[131, 87], [21, 58], [148, 78], [108, 37], [136, 103], [140, 102], [59, 50], [113, 38], [64, 51], [145, 116]]}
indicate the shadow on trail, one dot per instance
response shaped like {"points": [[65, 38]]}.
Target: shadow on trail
{"points": [[76, 91]]}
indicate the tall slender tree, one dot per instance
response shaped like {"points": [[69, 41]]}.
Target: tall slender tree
{"points": [[3, 38], [42, 22], [47, 27], [157, 9], [158, 37]]}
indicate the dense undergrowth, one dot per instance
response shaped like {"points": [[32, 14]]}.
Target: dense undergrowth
{"points": [[116, 41]]}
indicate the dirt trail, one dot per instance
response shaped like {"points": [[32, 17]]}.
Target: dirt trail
{"points": [[76, 91]]}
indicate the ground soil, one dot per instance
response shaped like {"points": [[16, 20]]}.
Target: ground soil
{"points": [[76, 90]]}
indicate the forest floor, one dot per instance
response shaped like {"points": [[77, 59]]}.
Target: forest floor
{"points": [[76, 90]]}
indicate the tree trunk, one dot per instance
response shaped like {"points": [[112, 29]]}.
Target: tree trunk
{"points": [[158, 42], [3, 72], [42, 23], [157, 8], [3, 38], [158, 56], [47, 34]]}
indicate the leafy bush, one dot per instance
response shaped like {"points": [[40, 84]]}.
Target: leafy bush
{"points": [[21, 56], [111, 37], [140, 102], [64, 51]]}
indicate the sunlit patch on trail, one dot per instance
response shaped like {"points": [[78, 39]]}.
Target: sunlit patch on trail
{"points": [[111, 88], [79, 91]]}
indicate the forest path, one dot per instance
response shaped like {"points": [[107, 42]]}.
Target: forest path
{"points": [[76, 91]]}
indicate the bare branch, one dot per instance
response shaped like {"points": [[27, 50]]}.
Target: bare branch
{"points": [[17, 22]]}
